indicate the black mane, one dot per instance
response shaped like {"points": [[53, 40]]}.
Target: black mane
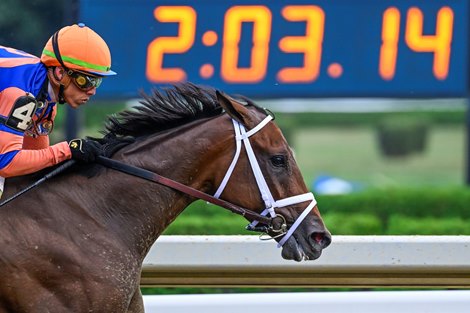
{"points": [[164, 109]]}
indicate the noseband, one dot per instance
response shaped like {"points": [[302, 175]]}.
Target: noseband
{"points": [[242, 136]]}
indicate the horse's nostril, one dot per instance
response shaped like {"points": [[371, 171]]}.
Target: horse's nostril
{"points": [[318, 237], [321, 238]]}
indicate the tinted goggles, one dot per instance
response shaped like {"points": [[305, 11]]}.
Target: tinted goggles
{"points": [[84, 81]]}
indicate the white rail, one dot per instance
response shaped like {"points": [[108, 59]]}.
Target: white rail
{"points": [[455, 301], [354, 261]]}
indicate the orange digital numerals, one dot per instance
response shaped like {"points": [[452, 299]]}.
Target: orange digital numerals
{"points": [[185, 16], [439, 44], [308, 45]]}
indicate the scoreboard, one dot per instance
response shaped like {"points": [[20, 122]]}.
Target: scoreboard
{"points": [[286, 48]]}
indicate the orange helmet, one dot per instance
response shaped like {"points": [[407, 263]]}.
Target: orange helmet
{"points": [[78, 47]]}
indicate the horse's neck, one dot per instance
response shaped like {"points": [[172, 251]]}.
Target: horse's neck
{"points": [[144, 209]]}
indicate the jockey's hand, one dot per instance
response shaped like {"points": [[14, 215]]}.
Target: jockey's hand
{"points": [[84, 150]]}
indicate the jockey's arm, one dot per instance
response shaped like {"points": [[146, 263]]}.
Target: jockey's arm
{"points": [[16, 162]]}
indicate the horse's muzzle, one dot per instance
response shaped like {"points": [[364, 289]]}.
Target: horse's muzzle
{"points": [[307, 242]]}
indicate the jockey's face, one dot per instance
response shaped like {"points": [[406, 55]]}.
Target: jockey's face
{"points": [[73, 95]]}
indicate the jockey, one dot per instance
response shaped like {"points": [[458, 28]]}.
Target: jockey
{"points": [[72, 65]]}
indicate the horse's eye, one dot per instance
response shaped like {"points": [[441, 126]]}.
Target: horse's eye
{"points": [[279, 161]]}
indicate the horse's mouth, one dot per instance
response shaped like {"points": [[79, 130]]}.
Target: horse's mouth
{"points": [[298, 249], [292, 250]]}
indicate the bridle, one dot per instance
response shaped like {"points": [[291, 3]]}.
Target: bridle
{"points": [[243, 136]]}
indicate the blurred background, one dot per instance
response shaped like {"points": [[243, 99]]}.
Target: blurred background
{"points": [[378, 164]]}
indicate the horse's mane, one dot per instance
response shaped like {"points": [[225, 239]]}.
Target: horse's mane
{"points": [[165, 108]]}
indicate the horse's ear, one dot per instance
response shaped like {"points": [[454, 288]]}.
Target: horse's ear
{"points": [[235, 109]]}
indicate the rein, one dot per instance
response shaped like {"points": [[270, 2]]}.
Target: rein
{"points": [[154, 177], [49, 175]]}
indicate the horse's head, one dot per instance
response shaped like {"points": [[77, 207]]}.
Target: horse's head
{"points": [[268, 162]]}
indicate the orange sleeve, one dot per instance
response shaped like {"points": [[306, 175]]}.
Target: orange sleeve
{"points": [[30, 161]]}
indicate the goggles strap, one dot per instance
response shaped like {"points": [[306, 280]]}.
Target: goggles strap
{"points": [[55, 46]]}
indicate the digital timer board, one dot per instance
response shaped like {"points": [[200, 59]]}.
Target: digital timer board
{"points": [[286, 48]]}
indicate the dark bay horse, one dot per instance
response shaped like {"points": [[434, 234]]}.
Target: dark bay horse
{"points": [[77, 242]]}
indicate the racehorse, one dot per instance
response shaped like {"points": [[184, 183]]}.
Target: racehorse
{"points": [[77, 242]]}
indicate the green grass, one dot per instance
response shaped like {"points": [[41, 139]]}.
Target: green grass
{"points": [[353, 154], [405, 225]]}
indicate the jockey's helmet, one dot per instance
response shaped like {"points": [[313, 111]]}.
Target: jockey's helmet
{"points": [[78, 47]]}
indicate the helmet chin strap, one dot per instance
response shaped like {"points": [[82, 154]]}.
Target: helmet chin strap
{"points": [[60, 96]]}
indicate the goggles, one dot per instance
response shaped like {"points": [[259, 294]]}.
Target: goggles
{"points": [[83, 81]]}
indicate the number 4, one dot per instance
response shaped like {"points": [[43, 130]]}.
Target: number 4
{"points": [[22, 113]]}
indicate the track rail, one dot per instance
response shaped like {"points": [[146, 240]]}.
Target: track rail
{"points": [[351, 261]]}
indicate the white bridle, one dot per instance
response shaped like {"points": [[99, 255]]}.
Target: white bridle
{"points": [[241, 135]]}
